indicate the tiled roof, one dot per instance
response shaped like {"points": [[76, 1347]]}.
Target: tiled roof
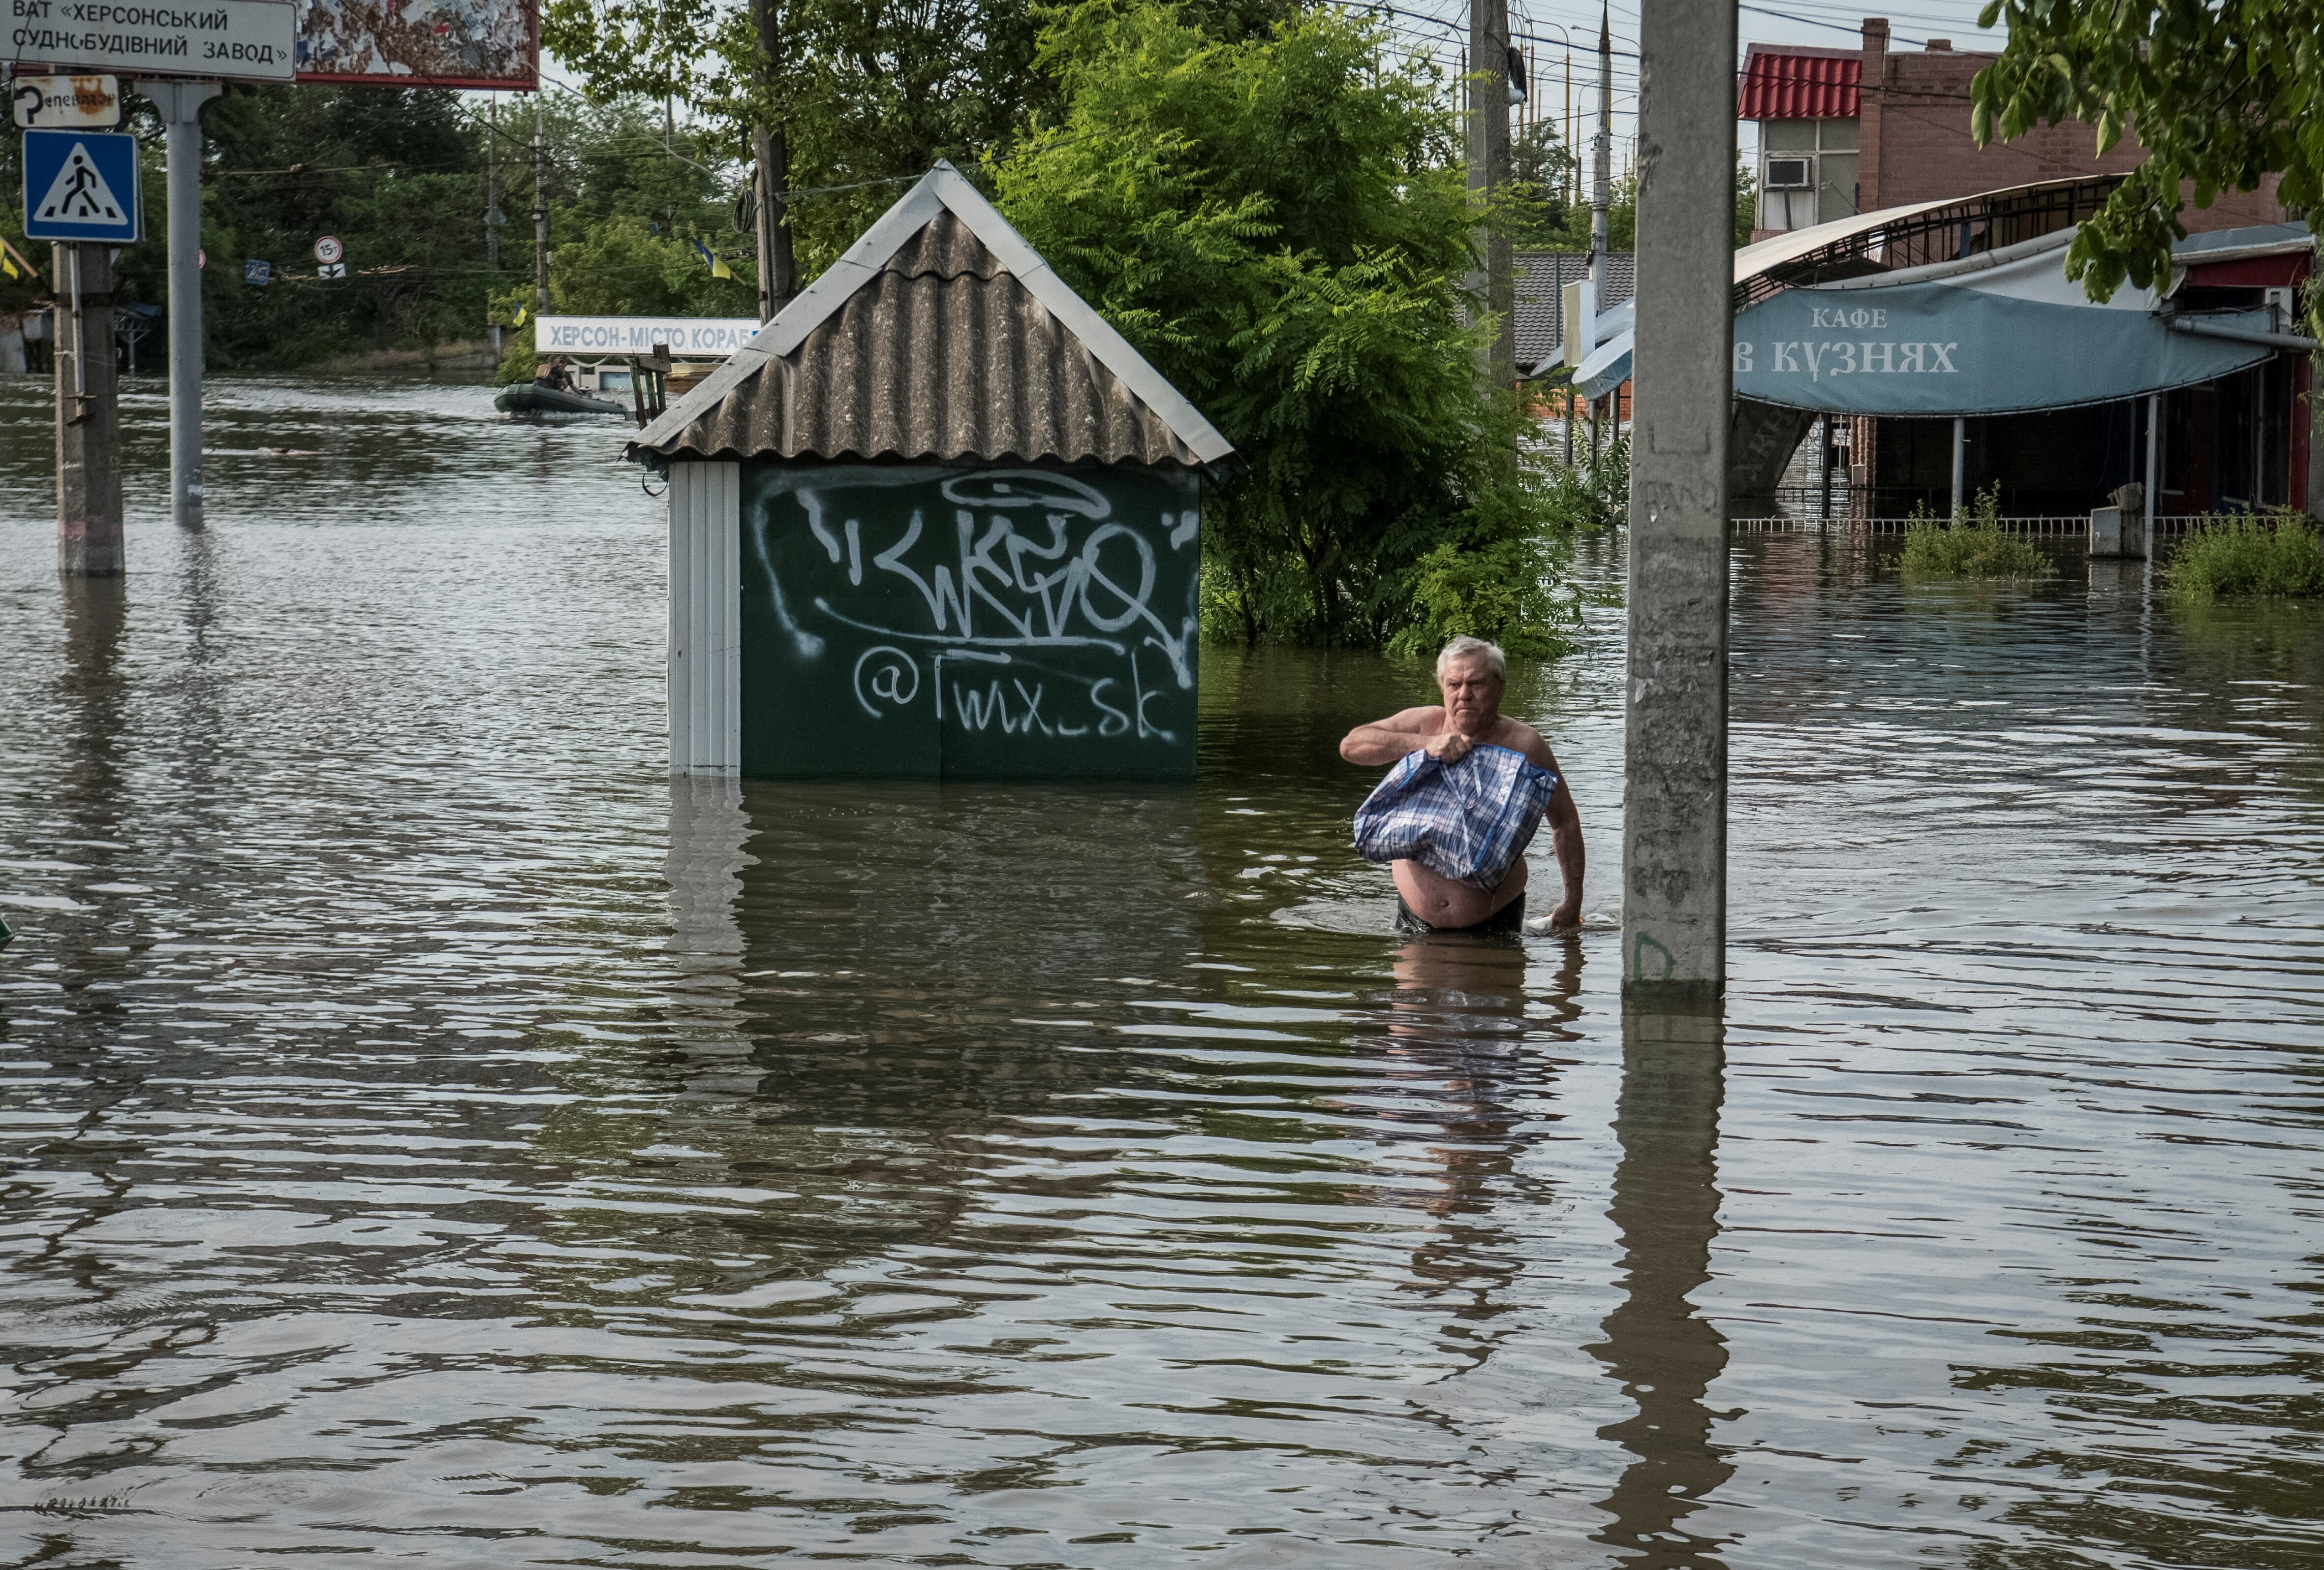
{"points": [[1798, 86], [941, 336], [1541, 276]]}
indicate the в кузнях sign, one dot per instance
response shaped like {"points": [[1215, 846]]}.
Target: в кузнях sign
{"points": [[420, 43], [222, 40]]}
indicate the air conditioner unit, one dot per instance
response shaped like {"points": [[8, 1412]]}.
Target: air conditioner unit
{"points": [[1788, 174]]}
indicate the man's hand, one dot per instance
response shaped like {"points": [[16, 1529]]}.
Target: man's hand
{"points": [[1449, 747], [1567, 917]]}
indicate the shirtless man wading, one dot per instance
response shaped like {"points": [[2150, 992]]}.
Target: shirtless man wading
{"points": [[1472, 673]]}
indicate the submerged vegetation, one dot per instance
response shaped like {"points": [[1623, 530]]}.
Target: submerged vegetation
{"points": [[2247, 558], [1970, 544]]}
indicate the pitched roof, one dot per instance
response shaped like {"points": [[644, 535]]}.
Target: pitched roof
{"points": [[940, 336], [1782, 84], [1542, 275]]}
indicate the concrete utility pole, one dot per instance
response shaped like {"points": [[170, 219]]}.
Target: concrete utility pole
{"points": [[181, 104], [1674, 821], [770, 149], [1488, 172], [88, 414], [540, 203], [1602, 155]]}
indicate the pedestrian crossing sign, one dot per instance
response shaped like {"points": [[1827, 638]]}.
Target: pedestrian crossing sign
{"points": [[81, 185]]}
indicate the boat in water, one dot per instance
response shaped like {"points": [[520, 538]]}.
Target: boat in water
{"points": [[533, 398]]}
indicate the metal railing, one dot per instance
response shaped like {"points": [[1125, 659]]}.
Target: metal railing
{"points": [[2055, 525]]}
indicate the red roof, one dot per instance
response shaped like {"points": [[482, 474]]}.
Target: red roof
{"points": [[1798, 86]]}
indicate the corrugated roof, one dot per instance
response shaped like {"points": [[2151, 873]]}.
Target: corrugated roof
{"points": [[1798, 86], [1541, 276], [940, 336]]}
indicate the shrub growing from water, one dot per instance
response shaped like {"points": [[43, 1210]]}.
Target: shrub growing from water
{"points": [[2247, 558], [1970, 545]]}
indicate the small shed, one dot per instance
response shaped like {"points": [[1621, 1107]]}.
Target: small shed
{"points": [[937, 518]]}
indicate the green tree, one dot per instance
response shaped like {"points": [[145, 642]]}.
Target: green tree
{"points": [[1540, 167], [868, 93], [1280, 225], [2220, 93]]}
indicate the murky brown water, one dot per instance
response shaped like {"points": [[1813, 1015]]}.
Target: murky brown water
{"points": [[429, 1133]]}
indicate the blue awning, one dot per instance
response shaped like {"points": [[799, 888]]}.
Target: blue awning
{"points": [[1994, 333], [1998, 333]]}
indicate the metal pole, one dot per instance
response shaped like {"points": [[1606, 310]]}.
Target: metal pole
{"points": [[1824, 468], [2153, 471], [1601, 197], [181, 104], [88, 418], [540, 203], [1961, 460], [1675, 820]]}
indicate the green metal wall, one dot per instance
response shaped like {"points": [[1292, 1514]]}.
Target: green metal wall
{"points": [[968, 623]]}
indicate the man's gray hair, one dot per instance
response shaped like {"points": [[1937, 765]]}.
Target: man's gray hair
{"points": [[1466, 648]]}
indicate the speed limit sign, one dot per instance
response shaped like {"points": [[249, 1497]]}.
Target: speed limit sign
{"points": [[328, 250]]}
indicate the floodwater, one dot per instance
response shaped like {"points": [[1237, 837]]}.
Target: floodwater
{"points": [[430, 1135]]}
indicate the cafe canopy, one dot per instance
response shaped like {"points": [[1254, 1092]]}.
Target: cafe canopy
{"points": [[1995, 331]]}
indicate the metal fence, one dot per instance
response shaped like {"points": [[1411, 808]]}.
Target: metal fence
{"points": [[2061, 526]]}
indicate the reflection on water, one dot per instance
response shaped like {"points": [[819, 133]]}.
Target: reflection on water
{"points": [[1666, 1355], [426, 1129]]}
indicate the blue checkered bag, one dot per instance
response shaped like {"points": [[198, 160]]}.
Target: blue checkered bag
{"points": [[1467, 821]]}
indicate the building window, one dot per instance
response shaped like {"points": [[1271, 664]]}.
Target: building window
{"points": [[1807, 172]]}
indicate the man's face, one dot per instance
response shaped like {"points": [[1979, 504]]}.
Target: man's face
{"points": [[1473, 693]]}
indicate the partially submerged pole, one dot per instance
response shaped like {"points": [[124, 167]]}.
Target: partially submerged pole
{"points": [[1674, 821], [88, 414], [181, 104], [1961, 460]]}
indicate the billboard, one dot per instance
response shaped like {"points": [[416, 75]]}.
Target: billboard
{"points": [[420, 43]]}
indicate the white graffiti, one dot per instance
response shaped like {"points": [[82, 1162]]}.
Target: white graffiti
{"points": [[997, 588], [1026, 561], [894, 679]]}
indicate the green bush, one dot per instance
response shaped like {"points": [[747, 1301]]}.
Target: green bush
{"points": [[2249, 557], [1970, 545]]}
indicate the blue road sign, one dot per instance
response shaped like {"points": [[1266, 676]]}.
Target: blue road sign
{"points": [[81, 185]]}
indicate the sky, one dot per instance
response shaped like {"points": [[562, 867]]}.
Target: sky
{"points": [[1546, 24]]}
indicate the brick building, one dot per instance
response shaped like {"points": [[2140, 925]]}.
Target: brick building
{"points": [[1851, 130]]}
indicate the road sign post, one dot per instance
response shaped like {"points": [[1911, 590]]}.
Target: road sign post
{"points": [[88, 414], [181, 104], [81, 191]]}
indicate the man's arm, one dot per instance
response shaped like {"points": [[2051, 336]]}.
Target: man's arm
{"points": [[1413, 730], [1564, 835]]}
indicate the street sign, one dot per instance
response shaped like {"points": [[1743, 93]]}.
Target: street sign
{"points": [[234, 40], [81, 185], [261, 273], [328, 250], [66, 103], [330, 270]]}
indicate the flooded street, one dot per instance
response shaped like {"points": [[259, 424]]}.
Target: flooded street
{"points": [[429, 1133]]}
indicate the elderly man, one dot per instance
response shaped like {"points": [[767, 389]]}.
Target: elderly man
{"points": [[1471, 674]]}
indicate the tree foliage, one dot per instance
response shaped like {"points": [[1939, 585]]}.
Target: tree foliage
{"points": [[404, 180], [2220, 92], [1280, 225], [869, 93]]}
